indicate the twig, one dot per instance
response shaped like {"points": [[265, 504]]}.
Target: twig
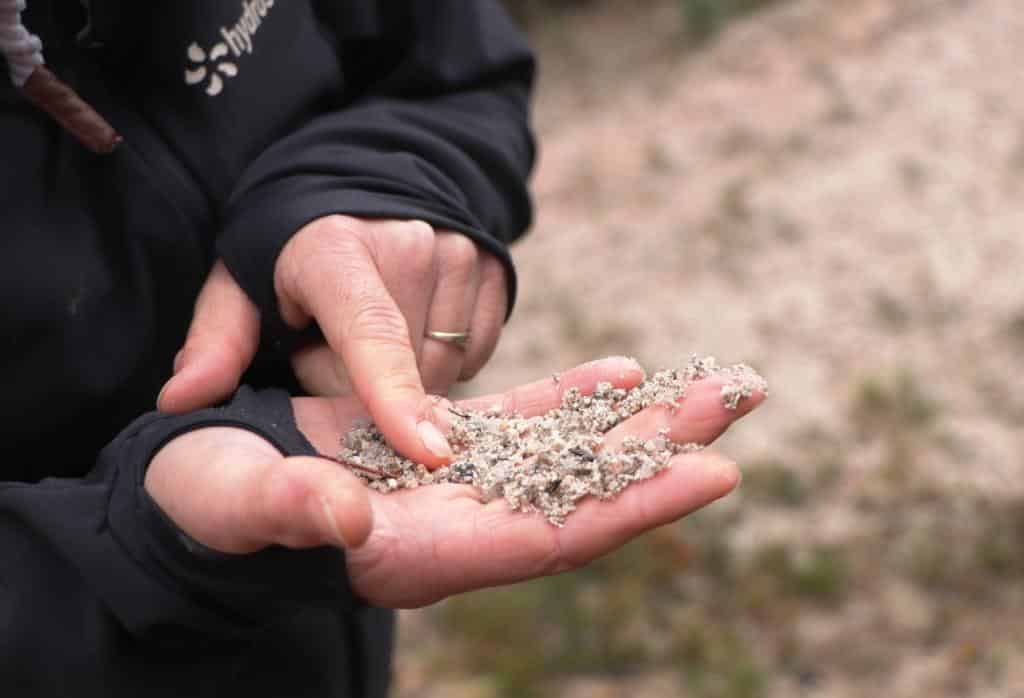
{"points": [[370, 472]]}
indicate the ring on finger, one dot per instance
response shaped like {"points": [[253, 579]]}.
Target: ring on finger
{"points": [[456, 338]]}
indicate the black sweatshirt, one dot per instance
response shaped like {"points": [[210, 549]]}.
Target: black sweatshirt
{"points": [[243, 120]]}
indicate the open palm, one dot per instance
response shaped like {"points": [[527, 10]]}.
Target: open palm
{"points": [[414, 547]]}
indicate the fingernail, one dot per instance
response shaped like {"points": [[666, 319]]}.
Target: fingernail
{"points": [[434, 440], [332, 522], [442, 415], [178, 358], [161, 393], [729, 472]]}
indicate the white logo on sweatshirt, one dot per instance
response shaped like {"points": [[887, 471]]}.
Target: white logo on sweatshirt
{"points": [[207, 66]]}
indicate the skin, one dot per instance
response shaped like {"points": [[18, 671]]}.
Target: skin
{"points": [[374, 287], [232, 491]]}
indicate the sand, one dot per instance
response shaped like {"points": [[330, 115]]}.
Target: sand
{"points": [[548, 463]]}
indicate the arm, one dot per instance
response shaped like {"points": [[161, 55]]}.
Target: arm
{"points": [[434, 127], [97, 582], [96, 574], [420, 545]]}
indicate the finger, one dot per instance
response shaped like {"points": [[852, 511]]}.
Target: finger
{"points": [[451, 310], [317, 368], [319, 372], [598, 527], [343, 290], [253, 497], [699, 417], [546, 394], [488, 316], [220, 345], [476, 546], [407, 259], [303, 502]]}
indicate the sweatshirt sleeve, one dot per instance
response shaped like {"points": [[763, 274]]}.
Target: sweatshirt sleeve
{"points": [[94, 574], [433, 125]]}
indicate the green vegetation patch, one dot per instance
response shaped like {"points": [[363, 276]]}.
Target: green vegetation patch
{"points": [[706, 18]]}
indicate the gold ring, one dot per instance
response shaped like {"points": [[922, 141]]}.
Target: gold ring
{"points": [[458, 338]]}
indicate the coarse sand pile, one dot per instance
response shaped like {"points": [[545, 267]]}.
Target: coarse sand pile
{"points": [[548, 463]]}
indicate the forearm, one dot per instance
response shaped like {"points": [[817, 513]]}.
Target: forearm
{"points": [[96, 574], [441, 133]]}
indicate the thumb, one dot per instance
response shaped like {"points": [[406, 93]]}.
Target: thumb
{"points": [[232, 491], [302, 502], [220, 345]]}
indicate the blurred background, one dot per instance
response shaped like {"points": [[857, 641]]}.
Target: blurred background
{"points": [[833, 192]]}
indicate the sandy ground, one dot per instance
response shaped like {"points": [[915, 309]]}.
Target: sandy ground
{"points": [[833, 192]]}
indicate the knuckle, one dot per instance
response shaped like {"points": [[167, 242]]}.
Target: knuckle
{"points": [[419, 230], [418, 246], [345, 248], [460, 254], [331, 232], [334, 225], [323, 254], [400, 381], [493, 273]]}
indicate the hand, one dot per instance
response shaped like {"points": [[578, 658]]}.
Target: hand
{"points": [[414, 547], [374, 287], [220, 345], [437, 280]]}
